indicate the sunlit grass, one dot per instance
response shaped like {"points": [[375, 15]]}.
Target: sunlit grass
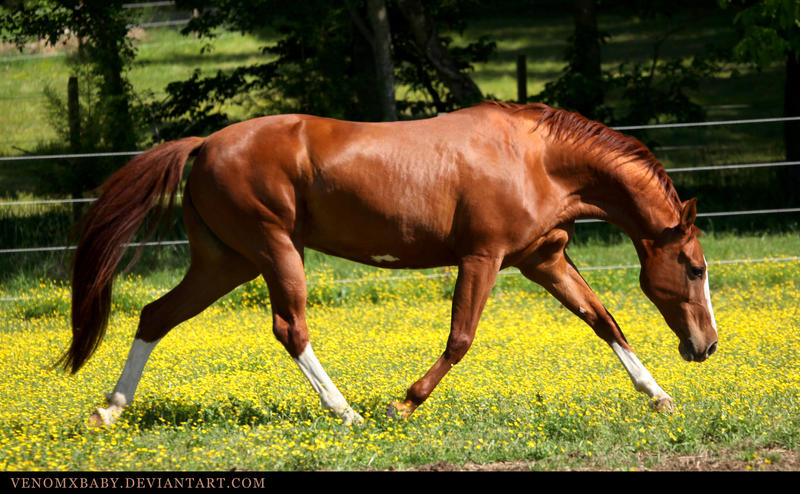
{"points": [[163, 56], [537, 385]]}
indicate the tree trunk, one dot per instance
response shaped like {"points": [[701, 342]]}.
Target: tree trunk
{"points": [[74, 119], [586, 56], [462, 87], [789, 176], [378, 18], [120, 135], [587, 38]]}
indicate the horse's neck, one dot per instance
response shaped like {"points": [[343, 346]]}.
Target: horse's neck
{"points": [[627, 196]]}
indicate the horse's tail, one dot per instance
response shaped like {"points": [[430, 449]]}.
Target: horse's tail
{"points": [[108, 228]]}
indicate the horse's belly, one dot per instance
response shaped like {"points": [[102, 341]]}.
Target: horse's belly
{"points": [[371, 237]]}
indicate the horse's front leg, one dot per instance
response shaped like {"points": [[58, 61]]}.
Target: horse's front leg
{"points": [[476, 277], [552, 268], [283, 271]]}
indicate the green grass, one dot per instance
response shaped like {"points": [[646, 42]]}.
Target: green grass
{"points": [[537, 387], [163, 267], [222, 408], [163, 56]]}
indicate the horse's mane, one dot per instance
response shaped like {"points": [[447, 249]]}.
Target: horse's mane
{"points": [[605, 142]]}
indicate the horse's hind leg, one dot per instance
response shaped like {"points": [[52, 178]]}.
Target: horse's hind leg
{"points": [[285, 277], [476, 277], [214, 271]]}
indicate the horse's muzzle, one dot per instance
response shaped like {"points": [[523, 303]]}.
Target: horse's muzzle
{"points": [[690, 354]]}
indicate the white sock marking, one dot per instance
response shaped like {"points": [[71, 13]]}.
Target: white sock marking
{"points": [[642, 379], [132, 372], [329, 394], [122, 395]]}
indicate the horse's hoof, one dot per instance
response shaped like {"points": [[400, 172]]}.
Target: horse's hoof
{"points": [[351, 417], [103, 417], [96, 419], [398, 411], [663, 405]]}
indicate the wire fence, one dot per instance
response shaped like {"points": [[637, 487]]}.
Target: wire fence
{"points": [[506, 272], [40, 202], [62, 248], [631, 127], [700, 168]]}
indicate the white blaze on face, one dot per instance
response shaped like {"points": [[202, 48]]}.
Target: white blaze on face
{"points": [[707, 292]]}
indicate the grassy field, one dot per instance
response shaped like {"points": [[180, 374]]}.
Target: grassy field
{"points": [[537, 388], [164, 56]]}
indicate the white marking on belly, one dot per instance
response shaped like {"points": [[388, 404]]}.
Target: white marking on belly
{"points": [[385, 258], [707, 292]]}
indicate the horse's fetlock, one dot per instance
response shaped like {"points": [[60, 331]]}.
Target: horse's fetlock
{"points": [[117, 399]]}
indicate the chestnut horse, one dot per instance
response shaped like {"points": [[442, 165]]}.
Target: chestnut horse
{"points": [[484, 188]]}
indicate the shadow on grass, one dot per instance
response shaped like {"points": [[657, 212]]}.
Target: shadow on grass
{"points": [[150, 413], [193, 61]]}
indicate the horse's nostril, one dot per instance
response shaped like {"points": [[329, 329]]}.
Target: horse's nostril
{"points": [[711, 349]]}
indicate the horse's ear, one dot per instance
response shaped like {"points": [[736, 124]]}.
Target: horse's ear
{"points": [[688, 213]]}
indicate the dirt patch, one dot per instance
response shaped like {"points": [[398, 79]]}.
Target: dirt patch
{"points": [[721, 461], [503, 466], [762, 460]]}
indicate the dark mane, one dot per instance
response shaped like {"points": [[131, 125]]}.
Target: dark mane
{"points": [[572, 127]]}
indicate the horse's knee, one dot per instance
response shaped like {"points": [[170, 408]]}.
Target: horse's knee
{"points": [[457, 347], [152, 325], [292, 333]]}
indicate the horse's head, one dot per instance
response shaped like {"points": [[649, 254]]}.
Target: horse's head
{"points": [[675, 277]]}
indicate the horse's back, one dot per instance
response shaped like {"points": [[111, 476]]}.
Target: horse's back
{"points": [[400, 194]]}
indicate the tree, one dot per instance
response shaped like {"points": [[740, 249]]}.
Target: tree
{"points": [[584, 60], [431, 46], [338, 59], [653, 90], [378, 34], [101, 28], [769, 31]]}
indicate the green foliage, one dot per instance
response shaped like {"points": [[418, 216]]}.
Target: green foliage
{"points": [[660, 96], [320, 64], [654, 91], [650, 94], [769, 29], [104, 54]]}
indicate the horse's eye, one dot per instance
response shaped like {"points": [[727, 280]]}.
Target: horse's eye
{"points": [[697, 271]]}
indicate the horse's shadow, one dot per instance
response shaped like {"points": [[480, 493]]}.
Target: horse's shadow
{"points": [[153, 413], [158, 412]]}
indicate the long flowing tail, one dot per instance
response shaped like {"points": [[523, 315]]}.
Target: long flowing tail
{"points": [[113, 220]]}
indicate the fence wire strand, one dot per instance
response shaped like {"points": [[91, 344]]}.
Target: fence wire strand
{"points": [[508, 272]]}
